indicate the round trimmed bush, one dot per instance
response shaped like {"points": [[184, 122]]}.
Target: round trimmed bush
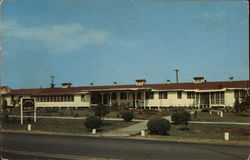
{"points": [[158, 126], [127, 116], [181, 117], [92, 122]]}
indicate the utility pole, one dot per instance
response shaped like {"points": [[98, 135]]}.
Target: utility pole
{"points": [[52, 85], [176, 71]]}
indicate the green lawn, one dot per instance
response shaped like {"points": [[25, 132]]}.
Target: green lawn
{"points": [[227, 117], [212, 131], [239, 134], [66, 125]]}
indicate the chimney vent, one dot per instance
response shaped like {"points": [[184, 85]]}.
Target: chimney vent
{"points": [[66, 85], [140, 82], [231, 78], [168, 81], [199, 80]]}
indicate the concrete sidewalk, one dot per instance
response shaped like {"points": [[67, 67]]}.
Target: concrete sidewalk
{"points": [[55, 117], [128, 131]]}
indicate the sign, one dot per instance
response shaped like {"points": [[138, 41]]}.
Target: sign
{"points": [[28, 104]]}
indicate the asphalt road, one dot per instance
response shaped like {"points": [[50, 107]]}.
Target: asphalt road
{"points": [[39, 146]]}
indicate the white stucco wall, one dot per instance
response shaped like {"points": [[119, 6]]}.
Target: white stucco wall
{"points": [[229, 98], [172, 100]]}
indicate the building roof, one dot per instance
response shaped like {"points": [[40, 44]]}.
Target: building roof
{"points": [[2, 87], [164, 86]]}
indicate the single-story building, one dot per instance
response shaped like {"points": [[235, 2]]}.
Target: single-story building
{"points": [[3, 90], [198, 94]]}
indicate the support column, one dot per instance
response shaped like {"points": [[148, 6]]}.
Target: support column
{"points": [[110, 103], [136, 100], [34, 113], [127, 98], [144, 100], [21, 111], [209, 100], [199, 100], [102, 98], [118, 99]]}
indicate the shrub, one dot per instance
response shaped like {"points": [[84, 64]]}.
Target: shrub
{"points": [[176, 109], [101, 111], [76, 115], [127, 116], [245, 104], [61, 114], [28, 120], [14, 120], [181, 117], [92, 122], [6, 118], [158, 126], [205, 110]]}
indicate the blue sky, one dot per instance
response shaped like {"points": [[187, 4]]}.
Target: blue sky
{"points": [[102, 41]]}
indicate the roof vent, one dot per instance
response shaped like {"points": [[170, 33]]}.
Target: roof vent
{"points": [[140, 82], [114, 83], [91, 84], [231, 78], [66, 85], [199, 80], [168, 81]]}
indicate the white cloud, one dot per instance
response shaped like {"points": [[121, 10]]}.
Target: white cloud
{"points": [[61, 38]]}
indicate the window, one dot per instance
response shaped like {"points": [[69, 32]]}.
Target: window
{"points": [[163, 95], [239, 93], [149, 95], [197, 97], [113, 96], [83, 98], [138, 95], [190, 95], [217, 98], [123, 96], [37, 99], [179, 95], [71, 98], [222, 98]]}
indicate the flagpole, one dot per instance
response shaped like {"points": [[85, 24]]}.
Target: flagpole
{"points": [[1, 53]]}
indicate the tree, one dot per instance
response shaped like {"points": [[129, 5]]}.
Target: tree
{"points": [[237, 105], [245, 104], [158, 126], [181, 117], [101, 111], [5, 105], [127, 116], [92, 122]]}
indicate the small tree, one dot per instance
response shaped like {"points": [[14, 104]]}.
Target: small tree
{"points": [[158, 126], [5, 104], [181, 117], [245, 104], [237, 105], [101, 111], [92, 122], [127, 116]]}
